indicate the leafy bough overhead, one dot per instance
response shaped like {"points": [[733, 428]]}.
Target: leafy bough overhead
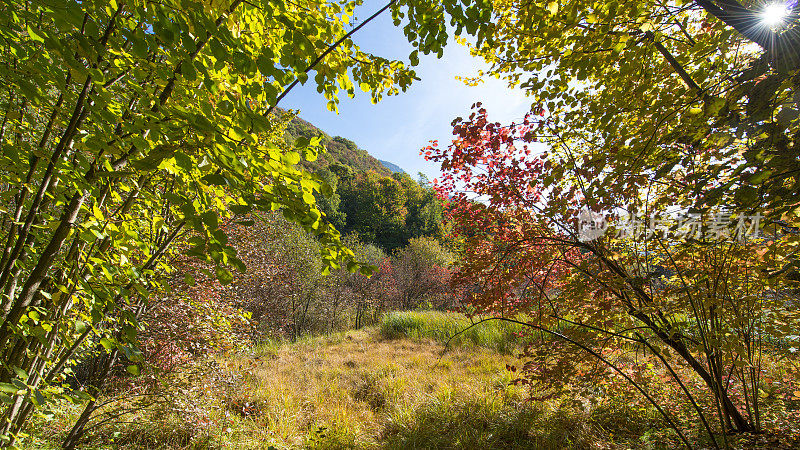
{"points": [[129, 127], [646, 107], [647, 87]]}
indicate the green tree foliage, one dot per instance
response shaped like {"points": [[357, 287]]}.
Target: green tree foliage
{"points": [[375, 207], [425, 209], [330, 205], [128, 126], [389, 210]]}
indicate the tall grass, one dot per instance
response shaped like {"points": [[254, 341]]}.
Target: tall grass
{"points": [[456, 421], [359, 390], [444, 327]]}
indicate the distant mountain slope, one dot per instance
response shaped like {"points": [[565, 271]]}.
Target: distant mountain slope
{"points": [[391, 166], [340, 149]]}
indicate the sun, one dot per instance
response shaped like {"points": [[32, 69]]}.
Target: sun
{"points": [[774, 14]]}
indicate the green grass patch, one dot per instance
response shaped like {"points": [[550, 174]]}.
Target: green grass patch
{"points": [[458, 330]]}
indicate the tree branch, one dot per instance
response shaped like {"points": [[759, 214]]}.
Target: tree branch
{"points": [[326, 53]]}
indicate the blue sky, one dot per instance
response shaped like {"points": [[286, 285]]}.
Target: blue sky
{"points": [[399, 126]]}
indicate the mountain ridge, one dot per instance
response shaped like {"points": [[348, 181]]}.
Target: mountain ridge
{"points": [[392, 166], [339, 149]]}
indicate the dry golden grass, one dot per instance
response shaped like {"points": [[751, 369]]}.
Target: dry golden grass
{"points": [[355, 385], [368, 389], [350, 390]]}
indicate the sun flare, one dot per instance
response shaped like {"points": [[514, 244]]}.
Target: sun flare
{"points": [[774, 14]]}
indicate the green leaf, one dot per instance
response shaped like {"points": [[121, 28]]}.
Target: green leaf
{"points": [[10, 389], [39, 398], [108, 344], [20, 373], [291, 158], [224, 275], [210, 219], [215, 179], [34, 35], [153, 159], [413, 58], [713, 105], [265, 65], [302, 141], [225, 107]]}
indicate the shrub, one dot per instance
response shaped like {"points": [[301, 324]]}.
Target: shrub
{"points": [[422, 272]]}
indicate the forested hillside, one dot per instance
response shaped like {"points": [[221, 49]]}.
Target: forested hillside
{"points": [[380, 205], [338, 149]]}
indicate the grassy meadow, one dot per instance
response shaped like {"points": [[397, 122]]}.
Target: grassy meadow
{"points": [[392, 386]]}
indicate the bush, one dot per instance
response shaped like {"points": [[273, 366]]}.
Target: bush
{"points": [[283, 275], [288, 294], [422, 272]]}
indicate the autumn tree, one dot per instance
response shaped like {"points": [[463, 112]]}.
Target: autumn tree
{"points": [[692, 301], [647, 108]]}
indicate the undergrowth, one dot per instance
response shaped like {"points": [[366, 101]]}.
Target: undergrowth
{"points": [[392, 386]]}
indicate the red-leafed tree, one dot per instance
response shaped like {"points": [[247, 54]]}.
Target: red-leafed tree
{"points": [[702, 308], [496, 207]]}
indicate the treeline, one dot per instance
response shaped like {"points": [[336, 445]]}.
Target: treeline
{"points": [[385, 210], [287, 292]]}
